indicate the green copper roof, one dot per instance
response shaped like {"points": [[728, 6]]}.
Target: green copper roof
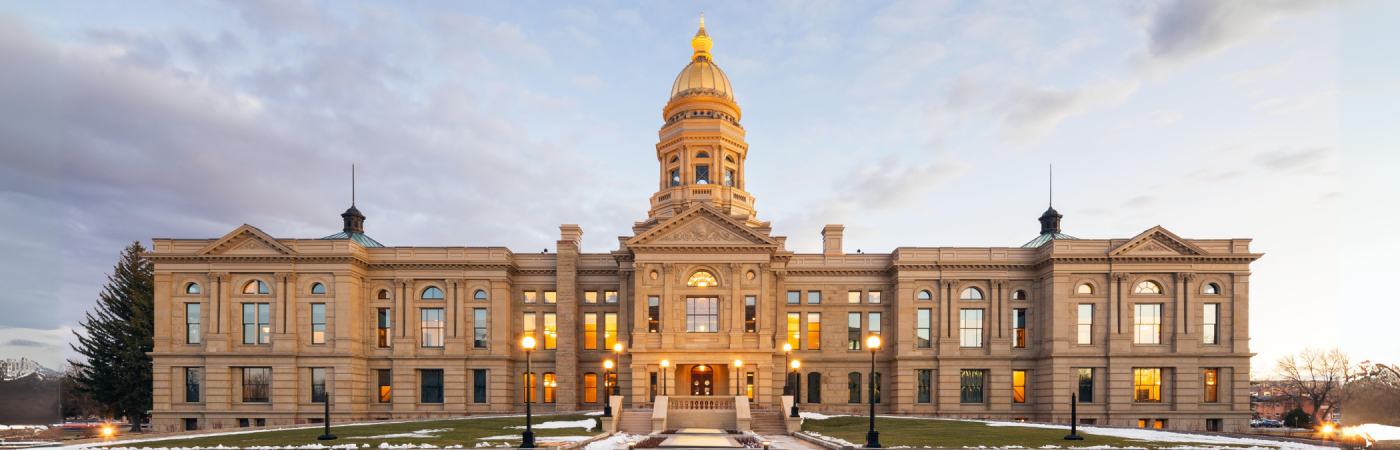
{"points": [[1047, 237], [359, 238]]}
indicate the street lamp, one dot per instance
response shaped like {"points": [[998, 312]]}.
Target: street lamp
{"points": [[738, 371], [795, 365], [607, 402], [617, 352], [787, 381], [872, 437], [664, 365], [527, 439]]}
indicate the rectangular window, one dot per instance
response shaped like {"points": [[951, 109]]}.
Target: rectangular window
{"points": [[874, 326], [527, 325], [609, 330], [532, 392], [551, 335], [701, 315], [1211, 325], [318, 323], [551, 297], [702, 174], [192, 385], [257, 328], [1086, 323], [386, 389], [675, 177], [750, 314], [814, 331], [853, 387], [610, 386], [970, 327], [1152, 423], [590, 331], [609, 296], [925, 386], [1147, 385], [1212, 385], [1018, 320], [971, 389], [814, 297], [1018, 386], [1086, 385], [255, 381], [318, 385], [432, 386], [432, 327], [590, 387], [873, 298], [750, 380], [1147, 323], [653, 314], [383, 320], [925, 328], [191, 323], [794, 330], [853, 331], [853, 297], [479, 386], [529, 297], [479, 327], [654, 386], [729, 177], [549, 383], [590, 297], [794, 297]]}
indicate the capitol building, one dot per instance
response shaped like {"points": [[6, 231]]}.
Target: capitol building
{"points": [[701, 301]]}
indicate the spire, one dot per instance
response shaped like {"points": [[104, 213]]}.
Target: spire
{"points": [[702, 42], [1050, 220], [354, 220]]}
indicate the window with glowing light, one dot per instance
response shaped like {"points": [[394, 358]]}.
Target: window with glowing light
{"points": [[794, 330], [1085, 289], [1147, 385], [702, 279]]}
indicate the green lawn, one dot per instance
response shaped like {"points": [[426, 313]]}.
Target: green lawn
{"points": [[464, 432], [958, 434]]}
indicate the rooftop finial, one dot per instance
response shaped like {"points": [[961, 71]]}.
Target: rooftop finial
{"points": [[702, 20], [701, 43]]}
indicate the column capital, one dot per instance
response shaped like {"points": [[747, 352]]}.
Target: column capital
{"points": [[1120, 276], [1185, 276], [403, 282], [218, 276], [284, 276]]}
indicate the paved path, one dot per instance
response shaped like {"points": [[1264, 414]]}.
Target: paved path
{"points": [[789, 442]]}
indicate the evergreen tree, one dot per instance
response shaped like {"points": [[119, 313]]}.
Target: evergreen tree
{"points": [[119, 334]]}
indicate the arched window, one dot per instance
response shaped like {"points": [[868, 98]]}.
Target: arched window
{"points": [[192, 288], [1211, 289], [853, 387], [255, 287], [1085, 288], [729, 158], [925, 295], [479, 295], [1019, 295], [1148, 287], [318, 288], [972, 293], [702, 155], [702, 279], [432, 293], [675, 159], [814, 387], [383, 294]]}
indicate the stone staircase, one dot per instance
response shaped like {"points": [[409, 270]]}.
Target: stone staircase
{"points": [[635, 421], [768, 422]]}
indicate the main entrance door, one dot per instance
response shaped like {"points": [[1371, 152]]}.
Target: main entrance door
{"points": [[702, 380]]}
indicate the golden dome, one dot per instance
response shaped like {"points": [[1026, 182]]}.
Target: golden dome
{"points": [[702, 76]]}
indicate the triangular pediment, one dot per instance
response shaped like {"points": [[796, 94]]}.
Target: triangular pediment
{"points": [[701, 225], [246, 240], [1157, 241]]}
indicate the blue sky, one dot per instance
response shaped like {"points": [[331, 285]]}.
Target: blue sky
{"points": [[912, 123]]}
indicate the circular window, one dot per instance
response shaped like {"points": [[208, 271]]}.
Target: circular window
{"points": [[654, 275], [751, 275]]}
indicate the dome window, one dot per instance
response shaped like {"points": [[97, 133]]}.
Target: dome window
{"points": [[675, 159], [702, 155], [1019, 295], [702, 174], [729, 158], [702, 279], [479, 295]]}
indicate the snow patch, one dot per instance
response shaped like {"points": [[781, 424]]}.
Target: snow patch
{"points": [[415, 434], [818, 416], [614, 442], [824, 437], [585, 424]]}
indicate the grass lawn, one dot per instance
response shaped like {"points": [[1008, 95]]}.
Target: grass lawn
{"points": [[958, 434], [465, 432]]}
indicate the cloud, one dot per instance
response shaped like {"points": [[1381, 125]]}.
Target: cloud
{"points": [[1277, 106], [1182, 31], [891, 182], [25, 343], [1286, 160], [1030, 113]]}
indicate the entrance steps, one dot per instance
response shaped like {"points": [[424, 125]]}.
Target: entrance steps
{"points": [[636, 421], [769, 422]]}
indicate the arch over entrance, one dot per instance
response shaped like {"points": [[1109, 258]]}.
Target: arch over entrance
{"points": [[702, 380]]}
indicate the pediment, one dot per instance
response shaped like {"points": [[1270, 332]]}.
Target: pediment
{"points": [[1157, 241], [701, 225], [247, 240]]}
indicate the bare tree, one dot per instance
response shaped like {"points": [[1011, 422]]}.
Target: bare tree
{"points": [[1314, 376], [1373, 394]]}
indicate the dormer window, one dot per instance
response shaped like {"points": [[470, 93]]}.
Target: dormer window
{"points": [[675, 177], [702, 174], [702, 279]]}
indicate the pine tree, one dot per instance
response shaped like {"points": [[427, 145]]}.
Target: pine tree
{"points": [[119, 334]]}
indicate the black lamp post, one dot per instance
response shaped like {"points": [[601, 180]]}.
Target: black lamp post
{"points": [[787, 381], [617, 354], [664, 365], [795, 365], [1073, 419], [327, 420], [872, 437], [607, 401], [527, 439]]}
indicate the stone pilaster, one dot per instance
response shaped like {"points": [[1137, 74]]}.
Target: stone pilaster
{"points": [[566, 287]]}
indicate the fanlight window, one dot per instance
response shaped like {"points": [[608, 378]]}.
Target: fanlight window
{"points": [[972, 294], [729, 158], [702, 279], [318, 288], [192, 288], [1019, 295], [432, 293], [1148, 287], [925, 295], [675, 159], [1211, 289], [255, 287], [479, 295], [1085, 289], [383, 294], [702, 155]]}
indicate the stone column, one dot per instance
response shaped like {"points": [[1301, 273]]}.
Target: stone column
{"points": [[566, 287], [216, 340], [736, 307]]}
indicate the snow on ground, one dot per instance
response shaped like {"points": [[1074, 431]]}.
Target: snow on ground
{"points": [[593, 413], [614, 442], [24, 427], [415, 434], [537, 438], [1379, 432], [823, 437], [586, 424], [818, 416]]}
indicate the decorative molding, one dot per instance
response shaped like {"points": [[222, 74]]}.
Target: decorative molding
{"points": [[1158, 240]]}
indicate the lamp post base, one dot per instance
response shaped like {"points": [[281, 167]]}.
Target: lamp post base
{"points": [[607, 410], [527, 439], [794, 410], [1074, 437], [326, 437], [872, 439]]}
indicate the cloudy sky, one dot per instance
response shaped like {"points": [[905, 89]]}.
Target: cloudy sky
{"points": [[922, 123]]}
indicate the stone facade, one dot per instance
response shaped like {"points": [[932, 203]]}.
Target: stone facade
{"points": [[949, 317]]}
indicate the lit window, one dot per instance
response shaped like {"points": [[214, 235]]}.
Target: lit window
{"points": [[1018, 386], [432, 293], [972, 294], [1212, 385], [590, 331], [609, 329], [794, 330], [1147, 385], [1019, 295], [925, 295], [590, 387], [1147, 323], [383, 321], [814, 331], [1018, 324], [702, 279], [386, 392], [1085, 289], [971, 384], [702, 174], [750, 314], [383, 294], [653, 314], [549, 384], [1211, 289], [255, 287], [318, 288], [1148, 287], [702, 315], [551, 332], [192, 288], [479, 295]]}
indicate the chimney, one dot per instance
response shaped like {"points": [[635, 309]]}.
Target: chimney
{"points": [[571, 234], [831, 239]]}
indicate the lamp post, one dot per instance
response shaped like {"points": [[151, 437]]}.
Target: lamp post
{"points": [[617, 354], [795, 365], [1073, 419], [664, 365], [872, 437], [327, 436], [738, 371], [527, 439], [607, 401], [787, 381]]}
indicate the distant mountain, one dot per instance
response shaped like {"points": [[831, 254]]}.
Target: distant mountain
{"points": [[14, 369]]}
